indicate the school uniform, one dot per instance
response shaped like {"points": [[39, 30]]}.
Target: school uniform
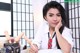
{"points": [[42, 37]]}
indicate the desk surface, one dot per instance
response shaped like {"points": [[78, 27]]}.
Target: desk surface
{"points": [[50, 51], [44, 51], [25, 51]]}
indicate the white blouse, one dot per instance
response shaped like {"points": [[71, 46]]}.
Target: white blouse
{"points": [[41, 37]]}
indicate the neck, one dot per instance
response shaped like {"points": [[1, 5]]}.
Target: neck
{"points": [[51, 31]]}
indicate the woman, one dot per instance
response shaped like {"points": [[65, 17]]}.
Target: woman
{"points": [[53, 33]]}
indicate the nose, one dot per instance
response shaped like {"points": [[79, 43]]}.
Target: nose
{"points": [[54, 18]]}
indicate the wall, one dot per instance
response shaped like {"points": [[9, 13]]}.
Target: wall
{"points": [[37, 13], [5, 18]]}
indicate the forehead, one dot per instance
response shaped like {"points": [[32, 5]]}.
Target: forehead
{"points": [[53, 11]]}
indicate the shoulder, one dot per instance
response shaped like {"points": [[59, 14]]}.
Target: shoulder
{"points": [[43, 28], [66, 28], [67, 31]]}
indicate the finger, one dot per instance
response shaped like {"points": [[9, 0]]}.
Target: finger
{"points": [[19, 37], [28, 40], [60, 21], [32, 51], [7, 35]]}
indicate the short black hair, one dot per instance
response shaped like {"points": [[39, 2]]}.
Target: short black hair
{"points": [[55, 4]]}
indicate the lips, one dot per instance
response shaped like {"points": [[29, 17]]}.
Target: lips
{"points": [[55, 23]]}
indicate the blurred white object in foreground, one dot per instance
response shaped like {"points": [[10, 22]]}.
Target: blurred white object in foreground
{"points": [[50, 51]]}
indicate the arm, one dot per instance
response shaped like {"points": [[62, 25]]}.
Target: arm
{"points": [[63, 43]]}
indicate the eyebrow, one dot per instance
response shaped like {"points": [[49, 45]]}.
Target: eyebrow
{"points": [[53, 14]]}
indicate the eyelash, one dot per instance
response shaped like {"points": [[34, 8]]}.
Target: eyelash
{"points": [[58, 15], [50, 15]]}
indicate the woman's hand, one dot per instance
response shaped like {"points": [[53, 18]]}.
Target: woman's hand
{"points": [[31, 50], [58, 26], [33, 47]]}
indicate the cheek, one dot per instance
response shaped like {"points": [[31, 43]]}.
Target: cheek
{"points": [[47, 18], [59, 18]]}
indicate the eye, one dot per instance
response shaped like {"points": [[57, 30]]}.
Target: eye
{"points": [[50, 15], [58, 15]]}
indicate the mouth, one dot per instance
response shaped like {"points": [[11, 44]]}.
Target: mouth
{"points": [[55, 23]]}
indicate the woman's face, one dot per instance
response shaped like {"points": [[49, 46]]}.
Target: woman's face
{"points": [[53, 17]]}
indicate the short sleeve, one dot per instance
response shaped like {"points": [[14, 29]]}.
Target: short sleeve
{"points": [[43, 28], [67, 34]]}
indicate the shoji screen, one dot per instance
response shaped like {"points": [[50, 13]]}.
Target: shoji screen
{"points": [[23, 19]]}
